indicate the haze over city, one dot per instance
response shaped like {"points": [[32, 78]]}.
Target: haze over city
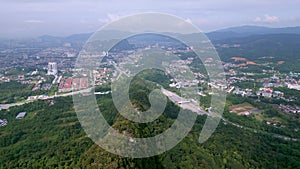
{"points": [[32, 18]]}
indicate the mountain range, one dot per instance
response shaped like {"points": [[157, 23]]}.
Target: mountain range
{"points": [[253, 42], [244, 31], [228, 33]]}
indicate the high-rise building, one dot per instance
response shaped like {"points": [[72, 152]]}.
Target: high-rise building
{"points": [[52, 68]]}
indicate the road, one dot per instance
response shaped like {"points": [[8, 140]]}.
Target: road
{"points": [[185, 104], [194, 107], [118, 69], [7, 106]]}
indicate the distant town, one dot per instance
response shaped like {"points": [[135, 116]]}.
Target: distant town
{"points": [[50, 72]]}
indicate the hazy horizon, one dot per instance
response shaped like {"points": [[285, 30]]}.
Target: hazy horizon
{"points": [[31, 18]]}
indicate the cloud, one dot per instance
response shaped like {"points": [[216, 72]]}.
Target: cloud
{"points": [[267, 19], [188, 20], [109, 18], [197, 21], [33, 21]]}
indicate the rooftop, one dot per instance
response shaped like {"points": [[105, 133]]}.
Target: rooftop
{"points": [[21, 115]]}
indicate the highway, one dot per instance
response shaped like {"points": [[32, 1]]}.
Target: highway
{"points": [[197, 109], [183, 103]]}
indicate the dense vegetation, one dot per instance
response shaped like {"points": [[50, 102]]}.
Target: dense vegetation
{"points": [[14, 91], [50, 136]]}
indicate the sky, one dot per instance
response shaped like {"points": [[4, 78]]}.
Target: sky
{"points": [[33, 18]]}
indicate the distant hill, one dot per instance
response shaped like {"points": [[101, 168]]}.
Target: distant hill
{"points": [[256, 41], [244, 31], [106, 34], [282, 46], [253, 41], [74, 37], [49, 38], [79, 37], [228, 33], [262, 30]]}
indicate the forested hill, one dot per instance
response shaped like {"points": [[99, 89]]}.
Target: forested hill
{"points": [[50, 136], [281, 46]]}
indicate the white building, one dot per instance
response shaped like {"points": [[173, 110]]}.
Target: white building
{"points": [[21, 115], [52, 68], [294, 86]]}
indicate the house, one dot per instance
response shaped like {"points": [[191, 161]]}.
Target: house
{"points": [[289, 108], [3, 122], [21, 115], [265, 92], [278, 94]]}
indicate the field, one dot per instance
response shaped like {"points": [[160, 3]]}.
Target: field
{"points": [[243, 109]]}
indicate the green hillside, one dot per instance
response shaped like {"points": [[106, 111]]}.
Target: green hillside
{"points": [[50, 136]]}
